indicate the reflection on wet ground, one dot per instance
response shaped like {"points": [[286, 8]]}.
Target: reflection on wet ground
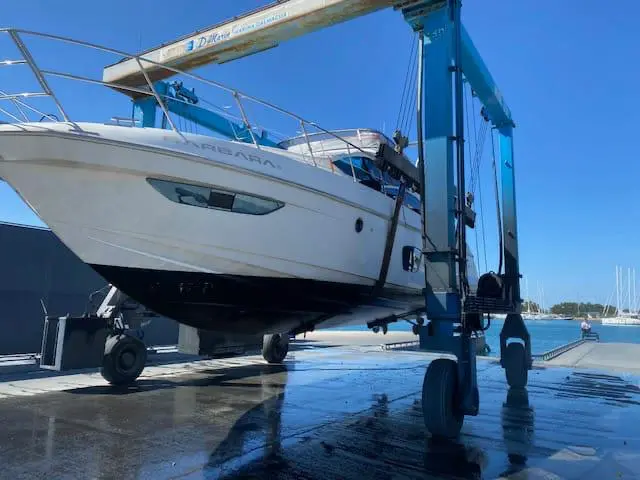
{"points": [[339, 415]]}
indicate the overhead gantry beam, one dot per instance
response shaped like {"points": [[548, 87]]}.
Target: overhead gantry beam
{"points": [[241, 36]]}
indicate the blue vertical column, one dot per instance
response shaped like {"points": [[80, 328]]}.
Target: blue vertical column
{"points": [[441, 294], [145, 109], [514, 326], [509, 224]]}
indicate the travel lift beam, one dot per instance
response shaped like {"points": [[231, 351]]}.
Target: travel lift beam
{"points": [[239, 37], [446, 54], [244, 35]]}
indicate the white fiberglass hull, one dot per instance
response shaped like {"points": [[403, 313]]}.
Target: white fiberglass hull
{"points": [[305, 261]]}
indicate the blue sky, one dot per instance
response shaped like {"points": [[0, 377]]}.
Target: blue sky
{"points": [[567, 70]]}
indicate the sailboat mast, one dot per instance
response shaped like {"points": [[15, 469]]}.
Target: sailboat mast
{"points": [[617, 291], [629, 289], [635, 300]]}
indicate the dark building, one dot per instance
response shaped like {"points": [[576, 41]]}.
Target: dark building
{"points": [[39, 269]]}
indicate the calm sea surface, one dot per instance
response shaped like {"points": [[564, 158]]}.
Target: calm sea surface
{"points": [[545, 334]]}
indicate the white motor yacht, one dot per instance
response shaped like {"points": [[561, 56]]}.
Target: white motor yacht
{"points": [[222, 234]]}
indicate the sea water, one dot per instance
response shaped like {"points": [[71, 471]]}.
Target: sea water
{"points": [[545, 334]]}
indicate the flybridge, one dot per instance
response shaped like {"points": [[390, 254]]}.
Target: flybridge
{"points": [[241, 36]]}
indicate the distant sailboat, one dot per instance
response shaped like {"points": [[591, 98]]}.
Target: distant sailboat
{"points": [[530, 315], [630, 317]]}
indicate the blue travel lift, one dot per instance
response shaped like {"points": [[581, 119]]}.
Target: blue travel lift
{"points": [[454, 313], [446, 53]]}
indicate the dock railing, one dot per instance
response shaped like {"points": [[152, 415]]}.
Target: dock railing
{"points": [[548, 355], [556, 352], [23, 109]]}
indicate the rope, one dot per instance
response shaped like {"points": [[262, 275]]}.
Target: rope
{"points": [[406, 82], [484, 230], [479, 138], [478, 184], [471, 170], [412, 114], [411, 92], [411, 109], [497, 194], [479, 143]]}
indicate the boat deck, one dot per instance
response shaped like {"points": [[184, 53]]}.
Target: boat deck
{"points": [[328, 412]]}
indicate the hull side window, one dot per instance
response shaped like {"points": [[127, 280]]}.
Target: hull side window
{"points": [[214, 198]]}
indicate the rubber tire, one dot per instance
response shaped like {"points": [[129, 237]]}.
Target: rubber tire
{"points": [[275, 347], [439, 399], [112, 369], [515, 365]]}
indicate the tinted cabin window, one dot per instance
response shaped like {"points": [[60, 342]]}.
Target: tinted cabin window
{"points": [[389, 180], [374, 171], [357, 162], [254, 205], [412, 202], [409, 200], [344, 165], [214, 198], [187, 194], [364, 168], [221, 200]]}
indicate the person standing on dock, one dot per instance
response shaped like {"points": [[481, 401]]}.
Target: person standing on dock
{"points": [[585, 327]]}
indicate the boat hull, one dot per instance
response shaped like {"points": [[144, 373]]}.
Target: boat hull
{"points": [[316, 257], [252, 304]]}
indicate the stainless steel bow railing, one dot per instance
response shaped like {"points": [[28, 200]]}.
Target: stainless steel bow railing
{"points": [[317, 154]]}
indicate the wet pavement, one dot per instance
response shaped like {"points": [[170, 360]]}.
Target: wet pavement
{"points": [[325, 413]]}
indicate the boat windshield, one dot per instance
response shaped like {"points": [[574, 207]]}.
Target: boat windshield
{"points": [[369, 174], [362, 167]]}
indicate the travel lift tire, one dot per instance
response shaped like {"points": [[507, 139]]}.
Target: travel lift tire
{"points": [[275, 347], [440, 399], [515, 365], [124, 359]]}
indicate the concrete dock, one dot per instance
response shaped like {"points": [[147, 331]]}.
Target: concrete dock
{"points": [[618, 357], [327, 412]]}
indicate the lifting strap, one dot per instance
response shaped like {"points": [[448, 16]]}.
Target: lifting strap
{"points": [[388, 248]]}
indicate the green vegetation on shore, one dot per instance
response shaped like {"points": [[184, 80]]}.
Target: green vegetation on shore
{"points": [[576, 309], [573, 309]]}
